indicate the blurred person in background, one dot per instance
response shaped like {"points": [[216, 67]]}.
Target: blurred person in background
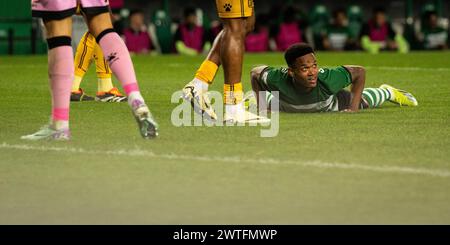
{"points": [[377, 34], [258, 39], [433, 36], [288, 32], [337, 35], [136, 36], [215, 28], [191, 38]]}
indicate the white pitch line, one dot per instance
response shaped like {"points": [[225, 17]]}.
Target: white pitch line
{"points": [[271, 161]]}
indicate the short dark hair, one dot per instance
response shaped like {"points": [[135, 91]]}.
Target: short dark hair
{"points": [[290, 14], [189, 11], [379, 10], [429, 13], [338, 11], [295, 51], [136, 11]]}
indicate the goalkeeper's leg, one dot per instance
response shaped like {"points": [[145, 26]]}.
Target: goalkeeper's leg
{"points": [[83, 59]]}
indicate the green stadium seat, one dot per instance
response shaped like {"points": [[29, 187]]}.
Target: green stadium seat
{"points": [[355, 19], [203, 17], [21, 35], [428, 7], [162, 22], [15, 16], [318, 19]]}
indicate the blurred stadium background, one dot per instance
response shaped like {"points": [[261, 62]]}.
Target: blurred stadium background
{"points": [[19, 34]]}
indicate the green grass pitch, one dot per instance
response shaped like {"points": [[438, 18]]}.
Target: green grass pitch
{"points": [[389, 165]]}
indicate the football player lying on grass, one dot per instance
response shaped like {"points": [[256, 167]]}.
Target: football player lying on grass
{"points": [[304, 87]]}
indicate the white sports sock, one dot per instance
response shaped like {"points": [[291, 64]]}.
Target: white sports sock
{"points": [[60, 124], [391, 96], [235, 111], [135, 96]]}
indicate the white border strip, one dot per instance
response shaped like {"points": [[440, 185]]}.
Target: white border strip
{"points": [[271, 161]]}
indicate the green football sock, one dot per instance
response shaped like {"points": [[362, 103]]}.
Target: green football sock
{"points": [[376, 96]]}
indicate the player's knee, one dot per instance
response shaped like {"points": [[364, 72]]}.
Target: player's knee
{"points": [[104, 33], [236, 28], [56, 28], [99, 23], [239, 34]]}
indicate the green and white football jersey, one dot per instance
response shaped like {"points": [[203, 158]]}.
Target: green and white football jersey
{"points": [[294, 98]]}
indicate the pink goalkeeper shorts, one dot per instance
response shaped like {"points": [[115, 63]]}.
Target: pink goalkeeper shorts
{"points": [[60, 9]]}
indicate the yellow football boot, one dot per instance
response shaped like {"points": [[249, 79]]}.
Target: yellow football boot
{"points": [[400, 97]]}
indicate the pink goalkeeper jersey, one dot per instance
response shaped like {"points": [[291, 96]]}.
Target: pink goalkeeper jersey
{"points": [[60, 5]]}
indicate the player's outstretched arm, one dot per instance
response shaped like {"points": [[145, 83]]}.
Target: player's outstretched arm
{"points": [[255, 80], [358, 74]]}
